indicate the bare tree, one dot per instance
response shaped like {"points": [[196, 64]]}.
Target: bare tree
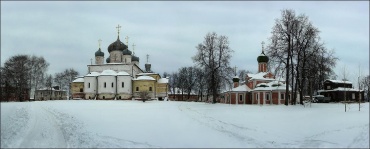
{"points": [[65, 78], [49, 85], [295, 45], [200, 83], [173, 82], [38, 67], [214, 55], [144, 95], [365, 83], [243, 74], [16, 72]]}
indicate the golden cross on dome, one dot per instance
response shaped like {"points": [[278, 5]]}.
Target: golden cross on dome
{"points": [[99, 42], [262, 45], [133, 48], [118, 28], [235, 69], [127, 40], [147, 58]]}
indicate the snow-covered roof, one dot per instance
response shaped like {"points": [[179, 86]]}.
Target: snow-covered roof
{"points": [[147, 73], [145, 78], [242, 88], [92, 74], [179, 91], [271, 86], [48, 89], [341, 89], [163, 80], [108, 73], [259, 76], [79, 80], [123, 73], [339, 81]]}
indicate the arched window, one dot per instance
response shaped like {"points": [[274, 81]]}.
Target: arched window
{"points": [[150, 88], [123, 84], [240, 97], [89, 85], [105, 84], [137, 88]]}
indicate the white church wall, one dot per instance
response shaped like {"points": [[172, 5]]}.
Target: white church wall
{"points": [[127, 84], [90, 92]]}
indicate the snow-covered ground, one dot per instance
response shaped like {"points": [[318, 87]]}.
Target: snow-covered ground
{"points": [[91, 123]]}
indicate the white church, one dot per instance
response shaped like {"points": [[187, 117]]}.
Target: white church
{"points": [[120, 77]]}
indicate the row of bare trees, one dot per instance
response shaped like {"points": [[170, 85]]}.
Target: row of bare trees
{"points": [[21, 74], [296, 49], [211, 72], [63, 79]]}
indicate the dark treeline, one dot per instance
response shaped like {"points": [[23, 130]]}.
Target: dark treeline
{"points": [[22, 75]]}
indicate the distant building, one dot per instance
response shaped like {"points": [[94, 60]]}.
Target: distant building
{"points": [[53, 93], [260, 88], [77, 87], [339, 90]]}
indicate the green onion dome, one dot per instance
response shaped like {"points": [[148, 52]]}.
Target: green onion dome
{"points": [[135, 58], [126, 52], [262, 58], [99, 53], [108, 60], [117, 46], [236, 79]]}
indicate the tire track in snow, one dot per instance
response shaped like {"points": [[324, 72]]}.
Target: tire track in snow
{"points": [[313, 141], [44, 130], [77, 137], [13, 126], [231, 130]]}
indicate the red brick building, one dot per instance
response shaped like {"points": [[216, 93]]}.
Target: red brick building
{"points": [[260, 88]]}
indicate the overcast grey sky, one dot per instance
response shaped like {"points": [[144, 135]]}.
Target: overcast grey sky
{"points": [[66, 33]]}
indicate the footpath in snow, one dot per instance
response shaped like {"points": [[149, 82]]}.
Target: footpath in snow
{"points": [[153, 124]]}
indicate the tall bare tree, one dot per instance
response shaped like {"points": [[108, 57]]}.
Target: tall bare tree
{"points": [[65, 78], [49, 85], [295, 44], [200, 83], [38, 67], [366, 86], [16, 72], [214, 55]]}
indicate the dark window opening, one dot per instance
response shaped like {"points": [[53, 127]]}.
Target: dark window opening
{"points": [[112, 84], [105, 84], [150, 88], [137, 88], [123, 84]]}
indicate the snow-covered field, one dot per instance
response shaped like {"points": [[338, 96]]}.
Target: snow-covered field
{"points": [[90, 123]]}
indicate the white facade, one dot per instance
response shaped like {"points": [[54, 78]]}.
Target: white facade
{"points": [[107, 84], [124, 85], [90, 85]]}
